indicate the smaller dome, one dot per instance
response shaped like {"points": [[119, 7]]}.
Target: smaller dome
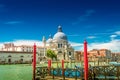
{"points": [[50, 39]]}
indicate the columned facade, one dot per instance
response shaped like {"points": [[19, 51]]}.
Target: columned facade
{"points": [[59, 44]]}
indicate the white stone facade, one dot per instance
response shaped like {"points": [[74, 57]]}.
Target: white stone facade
{"points": [[23, 54], [15, 57], [59, 44]]}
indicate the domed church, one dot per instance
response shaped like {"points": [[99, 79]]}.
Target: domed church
{"points": [[59, 44]]}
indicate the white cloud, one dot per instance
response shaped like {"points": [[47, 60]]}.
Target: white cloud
{"points": [[24, 42], [74, 44], [2, 8], [27, 42], [113, 45], [91, 37], [89, 12], [84, 17], [1, 44], [13, 22], [74, 35], [113, 36], [1, 5], [117, 32]]}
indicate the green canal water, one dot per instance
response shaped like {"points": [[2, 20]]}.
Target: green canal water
{"points": [[24, 71], [16, 72], [21, 71]]}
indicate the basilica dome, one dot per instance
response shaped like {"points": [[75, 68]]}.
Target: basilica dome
{"points": [[60, 35]]}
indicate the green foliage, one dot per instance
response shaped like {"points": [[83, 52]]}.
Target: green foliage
{"points": [[51, 54]]}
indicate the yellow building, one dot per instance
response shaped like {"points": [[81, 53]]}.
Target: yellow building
{"points": [[93, 54]]}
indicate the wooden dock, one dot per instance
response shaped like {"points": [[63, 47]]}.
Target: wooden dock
{"points": [[108, 72]]}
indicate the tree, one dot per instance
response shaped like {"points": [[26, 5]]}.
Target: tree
{"points": [[51, 54]]}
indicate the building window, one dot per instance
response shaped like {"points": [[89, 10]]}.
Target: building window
{"points": [[59, 51], [61, 45], [9, 60], [69, 53], [58, 45], [21, 60], [23, 50], [98, 53], [9, 56]]}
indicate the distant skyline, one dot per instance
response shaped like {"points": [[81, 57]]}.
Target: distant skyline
{"points": [[97, 21]]}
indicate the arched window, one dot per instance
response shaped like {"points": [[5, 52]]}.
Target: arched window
{"points": [[58, 45], [69, 53], [59, 51], [21, 60], [61, 45], [21, 56], [9, 56], [9, 60]]}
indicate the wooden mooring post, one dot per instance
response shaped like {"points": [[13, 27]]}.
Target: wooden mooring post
{"points": [[85, 61], [34, 60]]}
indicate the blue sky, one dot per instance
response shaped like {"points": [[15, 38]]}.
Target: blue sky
{"points": [[98, 21]]}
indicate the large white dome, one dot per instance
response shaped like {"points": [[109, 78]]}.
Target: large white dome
{"points": [[60, 35]]}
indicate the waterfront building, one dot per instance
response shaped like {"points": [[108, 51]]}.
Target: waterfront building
{"points": [[115, 56], [20, 48], [93, 55], [11, 53], [15, 57], [60, 45]]}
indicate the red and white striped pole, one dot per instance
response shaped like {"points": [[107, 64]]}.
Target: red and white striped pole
{"points": [[34, 60], [85, 61]]}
